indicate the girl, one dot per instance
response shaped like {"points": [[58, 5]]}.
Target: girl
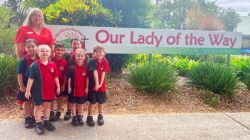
{"points": [[23, 65], [78, 86]]}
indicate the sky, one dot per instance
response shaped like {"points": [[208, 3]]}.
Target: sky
{"points": [[240, 6]]}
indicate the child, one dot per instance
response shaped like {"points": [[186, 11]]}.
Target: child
{"points": [[78, 86], [97, 68], [42, 83], [75, 44], [62, 66], [22, 78]]}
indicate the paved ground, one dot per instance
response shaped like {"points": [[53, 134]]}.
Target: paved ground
{"points": [[184, 126]]}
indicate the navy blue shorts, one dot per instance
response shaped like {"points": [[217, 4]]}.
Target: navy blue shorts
{"points": [[97, 97]]}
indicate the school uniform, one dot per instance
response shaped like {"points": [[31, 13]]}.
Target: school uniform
{"points": [[102, 66], [62, 67], [78, 76], [22, 69], [44, 86]]}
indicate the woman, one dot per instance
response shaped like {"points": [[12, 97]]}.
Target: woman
{"points": [[33, 27]]}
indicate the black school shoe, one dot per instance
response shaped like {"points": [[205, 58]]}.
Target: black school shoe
{"points": [[90, 121], [100, 120], [52, 116], [49, 126], [67, 115], [74, 121], [33, 120], [28, 122], [57, 116], [39, 128], [80, 119]]}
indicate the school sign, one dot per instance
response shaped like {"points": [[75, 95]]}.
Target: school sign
{"points": [[151, 41]]}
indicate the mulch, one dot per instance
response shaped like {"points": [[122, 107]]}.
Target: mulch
{"points": [[125, 99]]}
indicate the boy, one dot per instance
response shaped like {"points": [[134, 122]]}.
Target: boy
{"points": [[97, 68], [62, 66], [42, 83], [23, 65]]}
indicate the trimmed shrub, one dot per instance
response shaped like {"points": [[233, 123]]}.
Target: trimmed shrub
{"points": [[8, 77], [155, 77], [214, 77]]}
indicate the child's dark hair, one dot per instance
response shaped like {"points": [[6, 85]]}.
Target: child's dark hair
{"points": [[59, 45], [74, 39], [30, 40]]}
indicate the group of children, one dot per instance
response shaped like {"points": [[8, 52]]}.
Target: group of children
{"points": [[43, 80]]}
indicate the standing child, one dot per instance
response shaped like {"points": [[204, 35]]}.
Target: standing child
{"points": [[75, 44], [97, 68], [42, 83], [78, 86], [62, 66], [22, 78]]}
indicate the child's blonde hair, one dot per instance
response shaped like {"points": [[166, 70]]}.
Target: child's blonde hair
{"points": [[99, 47], [82, 51], [27, 21], [43, 47]]}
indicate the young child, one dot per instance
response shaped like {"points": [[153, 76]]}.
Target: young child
{"points": [[78, 86], [97, 68], [62, 66], [42, 83], [75, 44], [22, 78]]}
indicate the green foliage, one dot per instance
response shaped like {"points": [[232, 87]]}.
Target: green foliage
{"points": [[153, 78], [183, 65], [6, 40], [230, 19], [4, 16], [144, 58], [8, 76], [17, 12], [134, 13], [172, 14], [214, 77], [80, 12]]}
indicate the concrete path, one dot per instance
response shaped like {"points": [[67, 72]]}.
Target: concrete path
{"points": [[176, 126]]}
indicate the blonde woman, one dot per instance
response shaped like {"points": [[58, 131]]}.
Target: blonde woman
{"points": [[33, 27]]}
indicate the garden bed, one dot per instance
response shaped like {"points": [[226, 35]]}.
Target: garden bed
{"points": [[125, 99]]}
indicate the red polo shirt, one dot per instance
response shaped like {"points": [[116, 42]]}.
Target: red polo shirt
{"points": [[48, 74], [62, 66], [102, 66], [24, 32], [80, 80], [29, 60]]}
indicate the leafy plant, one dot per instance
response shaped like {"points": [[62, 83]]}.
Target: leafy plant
{"points": [[8, 76], [183, 65], [155, 77], [6, 40], [214, 77]]}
